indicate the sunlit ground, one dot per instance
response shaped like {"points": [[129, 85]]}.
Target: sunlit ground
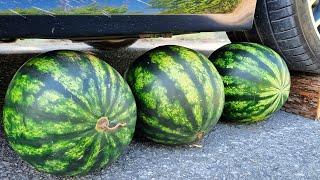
{"points": [[198, 41]]}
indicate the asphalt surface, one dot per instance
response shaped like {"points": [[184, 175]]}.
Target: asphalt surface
{"points": [[284, 147]]}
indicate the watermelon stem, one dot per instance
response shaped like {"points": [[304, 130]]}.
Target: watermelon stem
{"points": [[103, 125], [196, 143], [196, 146]]}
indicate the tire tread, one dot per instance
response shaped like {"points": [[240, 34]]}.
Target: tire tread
{"points": [[284, 34]]}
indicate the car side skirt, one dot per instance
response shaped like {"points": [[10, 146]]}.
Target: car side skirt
{"points": [[118, 26]]}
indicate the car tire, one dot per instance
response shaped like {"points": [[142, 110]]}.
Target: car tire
{"points": [[289, 27], [112, 44]]}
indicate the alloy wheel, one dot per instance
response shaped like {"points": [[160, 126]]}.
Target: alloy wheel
{"points": [[314, 7]]}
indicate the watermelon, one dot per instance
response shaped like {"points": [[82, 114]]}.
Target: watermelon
{"points": [[68, 113], [256, 80], [179, 95]]}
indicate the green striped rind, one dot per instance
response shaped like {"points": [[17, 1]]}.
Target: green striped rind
{"points": [[52, 106], [256, 80], [179, 94]]}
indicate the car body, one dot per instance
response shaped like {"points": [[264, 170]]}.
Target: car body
{"points": [[85, 20], [290, 27]]}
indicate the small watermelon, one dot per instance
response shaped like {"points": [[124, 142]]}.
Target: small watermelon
{"points": [[68, 113], [256, 80], [179, 95]]}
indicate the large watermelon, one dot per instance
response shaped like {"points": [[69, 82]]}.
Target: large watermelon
{"points": [[179, 95], [256, 80], [68, 113]]}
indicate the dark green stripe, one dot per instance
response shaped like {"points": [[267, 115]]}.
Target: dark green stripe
{"points": [[245, 76], [42, 117], [173, 91], [107, 82], [247, 97], [129, 120], [113, 151], [239, 54], [153, 113], [164, 121], [270, 56], [52, 85], [128, 103], [86, 73], [214, 78], [119, 145], [76, 165], [38, 142], [72, 68], [114, 96], [101, 156], [51, 155], [154, 129], [168, 139], [94, 78], [187, 67], [250, 110]]}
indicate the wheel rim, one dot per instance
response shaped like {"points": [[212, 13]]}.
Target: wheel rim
{"points": [[314, 7]]}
